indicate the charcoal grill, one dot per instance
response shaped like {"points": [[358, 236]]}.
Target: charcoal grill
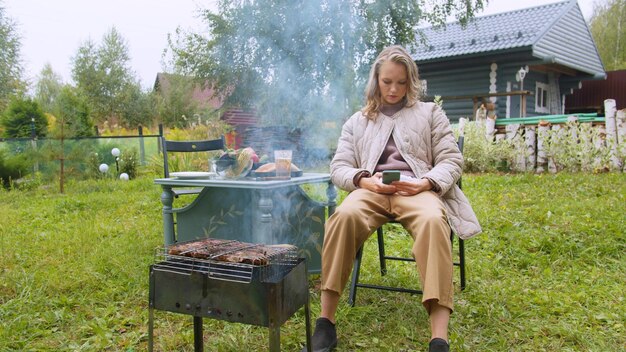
{"points": [[263, 295]]}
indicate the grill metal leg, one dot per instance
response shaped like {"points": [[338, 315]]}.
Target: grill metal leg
{"points": [[150, 329], [275, 339], [307, 316], [197, 334], [151, 312]]}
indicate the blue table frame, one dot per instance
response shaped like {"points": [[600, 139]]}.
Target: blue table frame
{"points": [[268, 212]]}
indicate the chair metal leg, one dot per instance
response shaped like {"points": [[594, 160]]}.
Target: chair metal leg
{"points": [[381, 251], [462, 262], [356, 270]]}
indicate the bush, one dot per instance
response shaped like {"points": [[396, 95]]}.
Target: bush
{"points": [[13, 168], [21, 116], [572, 147], [483, 155], [577, 147], [129, 163]]}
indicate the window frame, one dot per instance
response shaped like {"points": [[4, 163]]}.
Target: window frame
{"points": [[542, 98]]}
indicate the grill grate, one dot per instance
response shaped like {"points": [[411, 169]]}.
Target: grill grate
{"points": [[261, 285], [279, 261]]}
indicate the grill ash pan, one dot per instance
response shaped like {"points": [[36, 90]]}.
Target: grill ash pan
{"points": [[265, 294]]}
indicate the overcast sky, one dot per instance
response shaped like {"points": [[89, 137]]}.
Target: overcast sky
{"points": [[52, 30]]}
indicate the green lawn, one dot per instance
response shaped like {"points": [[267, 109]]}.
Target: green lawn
{"points": [[547, 274]]}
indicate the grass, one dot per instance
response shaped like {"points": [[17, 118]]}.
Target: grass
{"points": [[547, 274]]}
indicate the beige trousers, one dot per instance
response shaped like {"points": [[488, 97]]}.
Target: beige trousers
{"points": [[363, 211]]}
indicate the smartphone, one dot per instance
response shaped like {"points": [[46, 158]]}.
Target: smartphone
{"points": [[390, 176]]}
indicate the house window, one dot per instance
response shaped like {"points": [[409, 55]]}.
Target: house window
{"points": [[541, 98]]}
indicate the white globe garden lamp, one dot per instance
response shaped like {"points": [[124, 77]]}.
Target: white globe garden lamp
{"points": [[116, 153]]}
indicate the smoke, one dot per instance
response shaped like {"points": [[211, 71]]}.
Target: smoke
{"points": [[298, 64], [302, 64]]}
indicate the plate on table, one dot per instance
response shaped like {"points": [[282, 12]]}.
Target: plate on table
{"points": [[294, 173], [269, 170], [191, 175]]}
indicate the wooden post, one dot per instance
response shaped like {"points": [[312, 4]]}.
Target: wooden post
{"points": [[620, 121], [512, 131], [530, 137], [462, 123], [599, 144], [572, 122], [490, 128], [542, 134], [142, 147], [610, 112], [558, 132]]}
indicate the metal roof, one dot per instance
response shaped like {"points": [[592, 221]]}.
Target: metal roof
{"points": [[548, 31]]}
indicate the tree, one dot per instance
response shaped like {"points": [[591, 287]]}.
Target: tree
{"points": [[48, 87], [174, 99], [103, 74], [10, 64], [138, 107], [608, 27], [72, 111], [20, 116], [299, 63]]}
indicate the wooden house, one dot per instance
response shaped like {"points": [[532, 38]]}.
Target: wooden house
{"points": [[526, 62], [167, 84]]}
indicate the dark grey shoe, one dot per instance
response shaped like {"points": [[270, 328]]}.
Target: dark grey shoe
{"points": [[324, 337], [438, 345]]}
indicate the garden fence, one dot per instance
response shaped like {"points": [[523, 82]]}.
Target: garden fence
{"points": [[81, 157]]}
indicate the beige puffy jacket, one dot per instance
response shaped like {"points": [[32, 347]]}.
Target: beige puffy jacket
{"points": [[425, 140]]}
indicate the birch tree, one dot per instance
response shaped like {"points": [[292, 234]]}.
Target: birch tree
{"points": [[10, 64], [608, 27]]}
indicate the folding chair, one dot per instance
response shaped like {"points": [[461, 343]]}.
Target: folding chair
{"points": [[356, 270], [188, 147]]}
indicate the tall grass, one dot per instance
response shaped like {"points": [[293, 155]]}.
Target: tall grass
{"points": [[547, 274]]}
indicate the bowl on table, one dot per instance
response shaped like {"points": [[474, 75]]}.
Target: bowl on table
{"points": [[231, 169]]}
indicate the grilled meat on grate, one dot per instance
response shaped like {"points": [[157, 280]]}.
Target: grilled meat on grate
{"points": [[230, 251]]}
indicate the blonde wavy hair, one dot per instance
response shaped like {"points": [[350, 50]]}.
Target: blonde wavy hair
{"points": [[374, 101]]}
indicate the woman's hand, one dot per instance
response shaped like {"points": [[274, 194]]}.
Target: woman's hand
{"points": [[403, 188], [411, 188], [375, 184]]}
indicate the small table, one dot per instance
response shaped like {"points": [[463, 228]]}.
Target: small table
{"points": [[269, 212]]}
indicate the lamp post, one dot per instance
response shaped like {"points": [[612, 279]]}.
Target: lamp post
{"points": [[520, 77], [116, 153]]}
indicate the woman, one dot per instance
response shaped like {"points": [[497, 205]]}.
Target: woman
{"points": [[396, 131]]}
